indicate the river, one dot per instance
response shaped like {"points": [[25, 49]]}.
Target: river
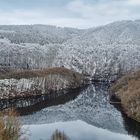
{"points": [[82, 114]]}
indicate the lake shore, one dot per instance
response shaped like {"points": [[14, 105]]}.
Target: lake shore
{"points": [[26, 83], [127, 91]]}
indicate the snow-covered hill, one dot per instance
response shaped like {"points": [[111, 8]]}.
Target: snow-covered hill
{"points": [[104, 52], [27, 55], [41, 34]]}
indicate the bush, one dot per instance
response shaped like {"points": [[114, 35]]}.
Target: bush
{"points": [[127, 89], [10, 127], [59, 136]]}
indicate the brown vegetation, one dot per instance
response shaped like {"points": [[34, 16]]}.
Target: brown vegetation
{"points": [[127, 89], [59, 136], [10, 127], [18, 74]]}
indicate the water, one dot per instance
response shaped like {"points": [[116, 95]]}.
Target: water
{"points": [[75, 130], [83, 114]]}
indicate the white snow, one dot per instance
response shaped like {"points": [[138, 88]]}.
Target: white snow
{"points": [[104, 52]]}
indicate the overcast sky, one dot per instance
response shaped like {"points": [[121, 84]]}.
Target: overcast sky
{"points": [[69, 13]]}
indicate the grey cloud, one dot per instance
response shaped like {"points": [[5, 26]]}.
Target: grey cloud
{"points": [[73, 13]]}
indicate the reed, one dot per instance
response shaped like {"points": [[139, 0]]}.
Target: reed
{"points": [[10, 126]]}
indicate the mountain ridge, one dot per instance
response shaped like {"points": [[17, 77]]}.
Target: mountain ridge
{"points": [[104, 52]]}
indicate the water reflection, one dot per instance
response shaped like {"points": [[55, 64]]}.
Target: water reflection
{"points": [[91, 105], [132, 127], [26, 106], [75, 130]]}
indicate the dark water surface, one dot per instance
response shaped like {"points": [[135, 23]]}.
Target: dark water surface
{"points": [[83, 114]]}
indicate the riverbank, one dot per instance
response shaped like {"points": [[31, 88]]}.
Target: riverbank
{"points": [[127, 91], [26, 83]]}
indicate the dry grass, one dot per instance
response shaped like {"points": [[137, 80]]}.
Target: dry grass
{"points": [[127, 89], [123, 82], [59, 136], [18, 74], [10, 127]]}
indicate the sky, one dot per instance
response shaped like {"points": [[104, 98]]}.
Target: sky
{"points": [[68, 13]]}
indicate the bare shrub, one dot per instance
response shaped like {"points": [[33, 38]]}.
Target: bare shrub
{"points": [[10, 126], [57, 135], [127, 89]]}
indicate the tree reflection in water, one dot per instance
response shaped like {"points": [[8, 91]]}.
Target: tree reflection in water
{"points": [[30, 105], [132, 126]]}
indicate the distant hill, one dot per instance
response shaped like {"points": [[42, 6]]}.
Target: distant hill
{"points": [[105, 52]]}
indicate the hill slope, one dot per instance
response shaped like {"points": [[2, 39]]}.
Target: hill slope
{"points": [[104, 52]]}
